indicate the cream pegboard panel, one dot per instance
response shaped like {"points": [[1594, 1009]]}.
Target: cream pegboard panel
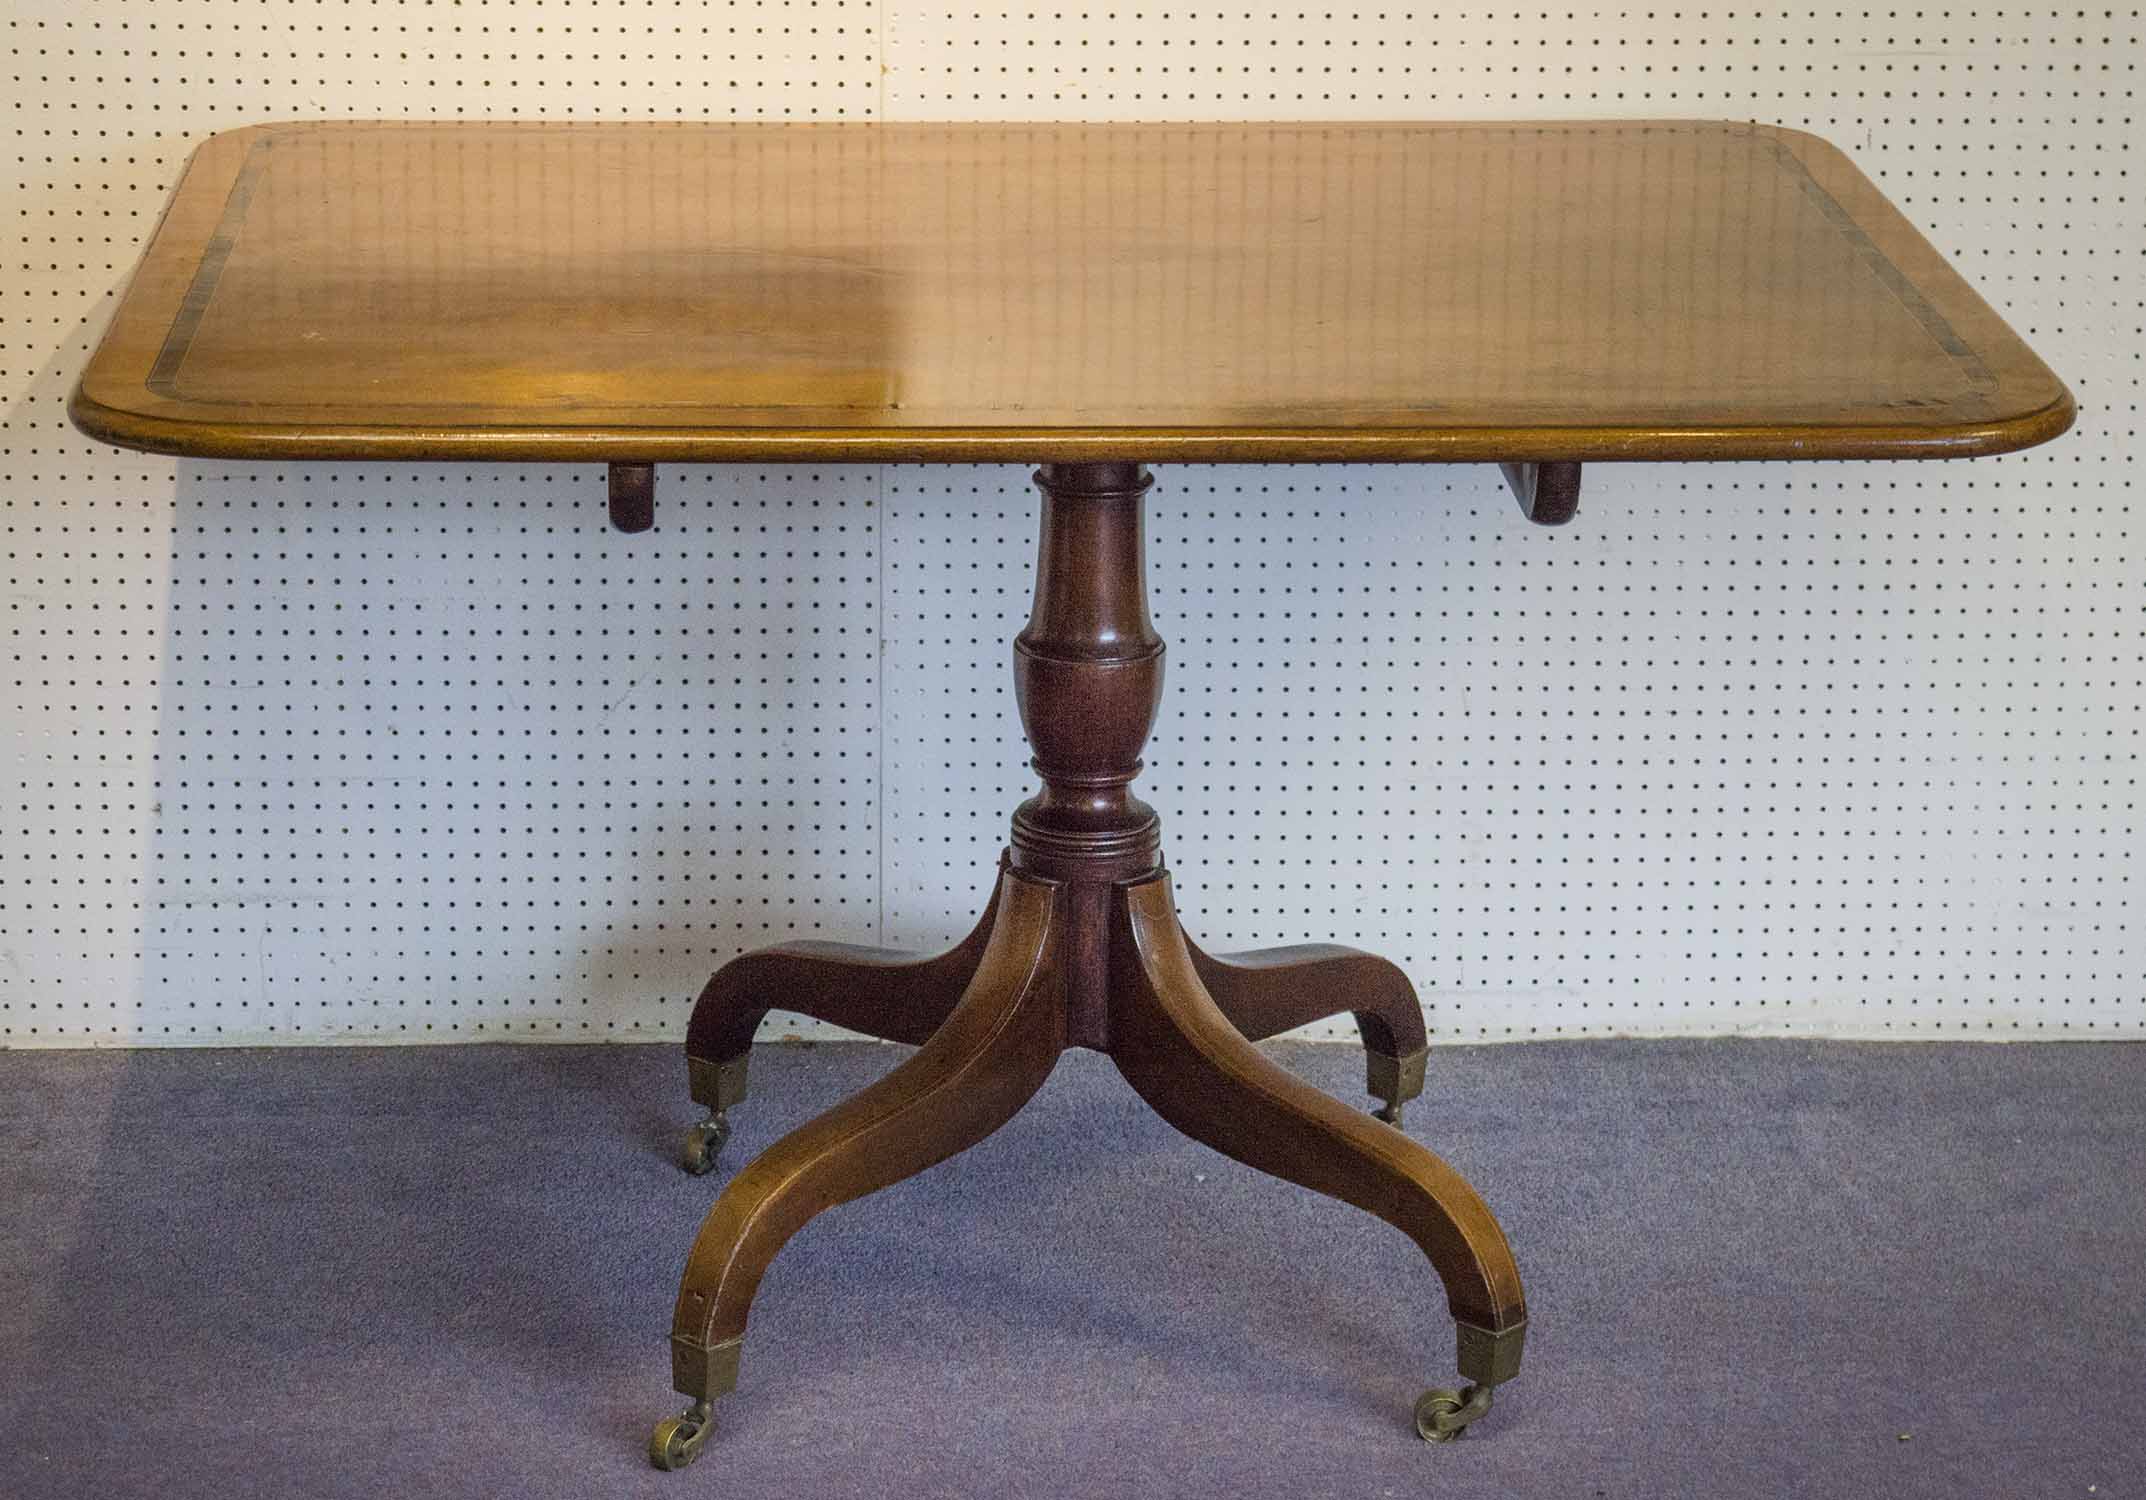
{"points": [[1750, 749], [1915, 78], [335, 752], [298, 753], [320, 752]]}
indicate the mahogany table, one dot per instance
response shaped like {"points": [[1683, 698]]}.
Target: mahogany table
{"points": [[1091, 297]]}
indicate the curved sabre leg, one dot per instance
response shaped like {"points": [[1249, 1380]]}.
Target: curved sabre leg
{"points": [[1273, 990], [882, 992], [991, 1054], [1196, 1070]]}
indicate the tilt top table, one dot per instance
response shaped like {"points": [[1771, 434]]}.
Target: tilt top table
{"points": [[1093, 298]]}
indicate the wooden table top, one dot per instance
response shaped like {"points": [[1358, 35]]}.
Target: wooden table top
{"points": [[692, 293]]}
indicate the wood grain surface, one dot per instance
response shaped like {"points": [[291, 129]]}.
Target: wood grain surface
{"points": [[700, 292]]}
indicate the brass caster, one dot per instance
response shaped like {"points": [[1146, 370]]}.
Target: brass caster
{"points": [[703, 1143], [677, 1441], [1390, 1113], [1443, 1415]]}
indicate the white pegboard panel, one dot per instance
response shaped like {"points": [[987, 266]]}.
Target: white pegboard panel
{"points": [[297, 753], [1751, 749], [414, 753]]}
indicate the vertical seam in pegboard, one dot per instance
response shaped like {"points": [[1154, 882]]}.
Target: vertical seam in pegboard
{"points": [[883, 18], [886, 659]]}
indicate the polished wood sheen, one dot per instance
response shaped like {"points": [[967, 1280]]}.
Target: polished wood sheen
{"points": [[882, 992], [668, 292], [995, 1048], [1089, 296], [1196, 1070], [1080, 947], [1268, 991]]}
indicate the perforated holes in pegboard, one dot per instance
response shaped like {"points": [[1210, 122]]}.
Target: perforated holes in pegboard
{"points": [[1847, 749]]}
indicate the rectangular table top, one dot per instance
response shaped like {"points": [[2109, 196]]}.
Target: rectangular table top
{"points": [[702, 292]]}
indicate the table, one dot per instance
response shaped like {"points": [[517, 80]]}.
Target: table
{"points": [[1092, 297]]}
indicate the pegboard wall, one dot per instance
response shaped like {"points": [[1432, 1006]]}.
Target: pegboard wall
{"points": [[299, 753]]}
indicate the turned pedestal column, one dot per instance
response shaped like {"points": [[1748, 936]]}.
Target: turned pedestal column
{"points": [[1079, 947]]}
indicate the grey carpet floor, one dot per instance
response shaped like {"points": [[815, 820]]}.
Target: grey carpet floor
{"points": [[1754, 1269]]}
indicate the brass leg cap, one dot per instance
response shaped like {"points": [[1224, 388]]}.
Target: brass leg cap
{"points": [[1396, 1080]]}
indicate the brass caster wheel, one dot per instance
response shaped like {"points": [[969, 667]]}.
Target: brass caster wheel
{"points": [[704, 1142], [1443, 1415], [677, 1441], [1390, 1113]]}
